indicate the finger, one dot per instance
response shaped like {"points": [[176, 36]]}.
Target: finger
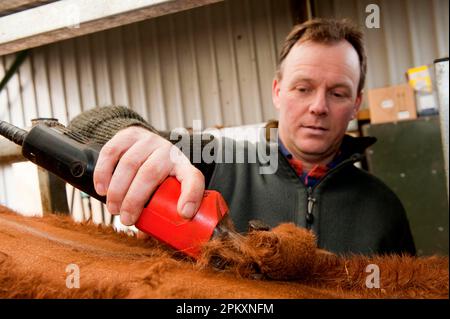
{"points": [[142, 235], [192, 189], [152, 172], [111, 153], [123, 175], [107, 161]]}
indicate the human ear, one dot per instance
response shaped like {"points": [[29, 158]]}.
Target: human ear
{"points": [[276, 93], [357, 105]]}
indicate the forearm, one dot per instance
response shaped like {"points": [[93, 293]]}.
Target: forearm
{"points": [[102, 123]]}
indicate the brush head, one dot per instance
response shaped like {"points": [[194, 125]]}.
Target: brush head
{"points": [[12, 133]]}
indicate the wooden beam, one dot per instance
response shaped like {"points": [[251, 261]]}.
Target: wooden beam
{"points": [[11, 5], [66, 19], [10, 152]]}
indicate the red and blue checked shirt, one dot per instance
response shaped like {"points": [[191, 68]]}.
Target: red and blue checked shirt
{"points": [[311, 178]]}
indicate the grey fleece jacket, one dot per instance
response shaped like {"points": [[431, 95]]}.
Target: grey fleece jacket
{"points": [[349, 210]]}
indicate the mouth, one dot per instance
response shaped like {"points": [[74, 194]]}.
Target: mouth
{"points": [[314, 128]]}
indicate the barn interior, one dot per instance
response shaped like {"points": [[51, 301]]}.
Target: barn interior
{"points": [[175, 62]]}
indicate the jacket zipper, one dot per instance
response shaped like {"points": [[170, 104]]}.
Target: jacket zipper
{"points": [[311, 200]]}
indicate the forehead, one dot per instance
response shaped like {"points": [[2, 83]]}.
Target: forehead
{"points": [[336, 61]]}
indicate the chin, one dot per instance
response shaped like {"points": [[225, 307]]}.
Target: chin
{"points": [[313, 148]]}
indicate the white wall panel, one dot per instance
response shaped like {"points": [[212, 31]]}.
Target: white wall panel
{"points": [[56, 84], [71, 81], [85, 73], [441, 25], [28, 92], [135, 78], [4, 99], [100, 60], [116, 68], [153, 76], [41, 82]]}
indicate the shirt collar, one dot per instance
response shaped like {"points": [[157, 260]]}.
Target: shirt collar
{"points": [[283, 149], [336, 160]]}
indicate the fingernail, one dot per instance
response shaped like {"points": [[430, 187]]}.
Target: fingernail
{"points": [[126, 218], [188, 210], [142, 235], [113, 208], [100, 189]]}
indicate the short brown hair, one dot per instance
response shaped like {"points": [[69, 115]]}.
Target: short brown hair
{"points": [[327, 31]]}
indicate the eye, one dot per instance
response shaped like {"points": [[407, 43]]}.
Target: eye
{"points": [[303, 89], [339, 95]]}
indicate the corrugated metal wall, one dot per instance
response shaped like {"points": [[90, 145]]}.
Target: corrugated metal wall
{"points": [[213, 63], [411, 33]]}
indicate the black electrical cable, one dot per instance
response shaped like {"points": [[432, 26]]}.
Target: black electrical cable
{"points": [[12, 133]]}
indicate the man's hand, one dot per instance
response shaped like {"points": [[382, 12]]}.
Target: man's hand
{"points": [[132, 165]]}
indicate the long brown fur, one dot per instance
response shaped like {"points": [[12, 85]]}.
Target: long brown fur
{"points": [[290, 253], [281, 263]]}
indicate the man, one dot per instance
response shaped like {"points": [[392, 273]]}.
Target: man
{"points": [[317, 91]]}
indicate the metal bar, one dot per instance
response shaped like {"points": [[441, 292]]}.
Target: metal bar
{"points": [[441, 71], [21, 56]]}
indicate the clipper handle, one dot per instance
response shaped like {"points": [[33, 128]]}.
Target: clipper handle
{"points": [[56, 150], [160, 218]]}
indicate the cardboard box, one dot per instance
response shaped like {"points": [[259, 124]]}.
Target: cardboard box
{"points": [[392, 104]]}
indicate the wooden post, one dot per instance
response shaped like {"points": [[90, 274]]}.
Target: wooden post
{"points": [[53, 193]]}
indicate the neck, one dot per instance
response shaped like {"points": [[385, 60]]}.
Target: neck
{"points": [[310, 160]]}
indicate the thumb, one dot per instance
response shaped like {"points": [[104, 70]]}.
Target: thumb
{"points": [[192, 189]]}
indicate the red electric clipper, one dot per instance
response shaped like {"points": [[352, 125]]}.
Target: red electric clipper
{"points": [[72, 158], [161, 219]]}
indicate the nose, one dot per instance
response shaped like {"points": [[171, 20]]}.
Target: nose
{"points": [[319, 104]]}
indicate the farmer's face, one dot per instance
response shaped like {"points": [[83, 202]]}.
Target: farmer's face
{"points": [[316, 96]]}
